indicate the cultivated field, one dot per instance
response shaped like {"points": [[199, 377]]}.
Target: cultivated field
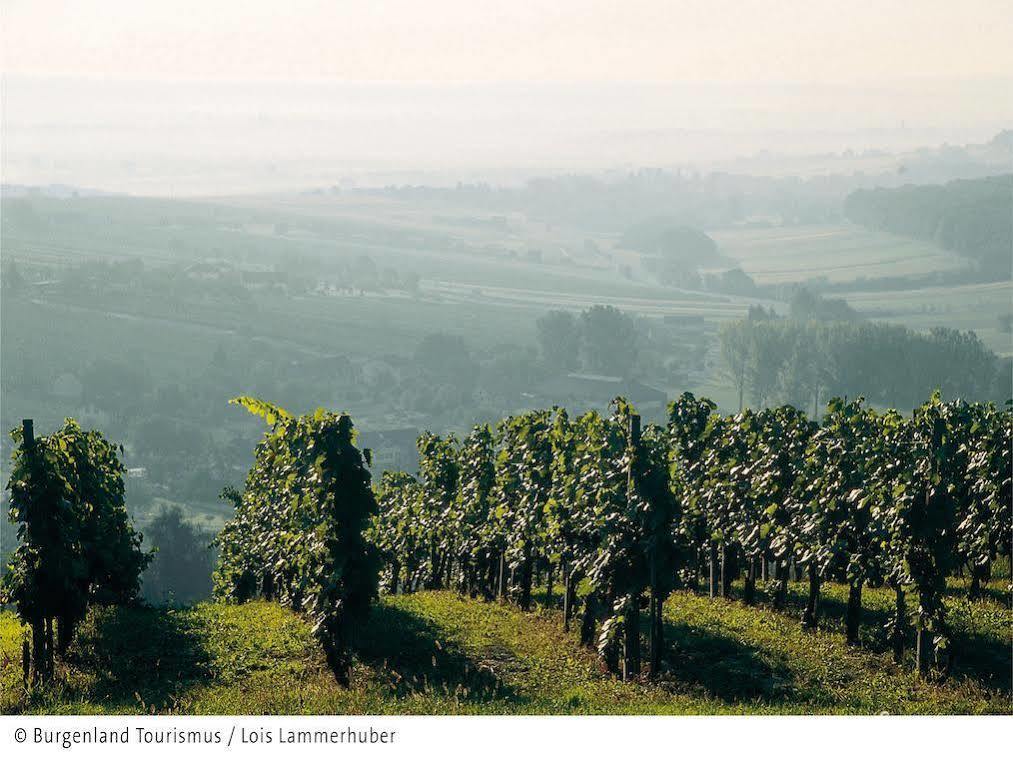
{"points": [[838, 253], [965, 307]]}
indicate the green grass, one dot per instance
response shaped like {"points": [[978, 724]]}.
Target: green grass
{"points": [[838, 253], [438, 653]]}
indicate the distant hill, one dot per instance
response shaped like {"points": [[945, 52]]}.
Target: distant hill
{"points": [[60, 191], [664, 238], [674, 253]]}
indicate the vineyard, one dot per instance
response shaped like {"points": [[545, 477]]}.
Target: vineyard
{"points": [[620, 516], [626, 515], [637, 555]]}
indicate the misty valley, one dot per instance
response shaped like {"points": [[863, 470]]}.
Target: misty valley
{"points": [[420, 308], [533, 412]]}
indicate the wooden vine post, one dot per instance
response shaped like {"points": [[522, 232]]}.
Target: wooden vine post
{"points": [[39, 659], [655, 602], [632, 618]]}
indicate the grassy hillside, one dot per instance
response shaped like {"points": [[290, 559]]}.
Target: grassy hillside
{"points": [[836, 253], [438, 653]]}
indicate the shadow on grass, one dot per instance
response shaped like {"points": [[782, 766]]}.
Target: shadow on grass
{"points": [[140, 656], [697, 660], [872, 631], [413, 657], [994, 590], [982, 659]]}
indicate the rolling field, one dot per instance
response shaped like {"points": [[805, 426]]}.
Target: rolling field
{"points": [[477, 278], [839, 253], [438, 653]]}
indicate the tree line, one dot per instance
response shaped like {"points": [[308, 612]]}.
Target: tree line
{"points": [[970, 217], [775, 360]]}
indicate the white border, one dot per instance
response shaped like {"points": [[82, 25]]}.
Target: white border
{"points": [[532, 741]]}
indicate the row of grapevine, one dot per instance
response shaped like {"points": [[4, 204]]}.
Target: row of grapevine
{"points": [[575, 500], [298, 532], [77, 546], [863, 497]]}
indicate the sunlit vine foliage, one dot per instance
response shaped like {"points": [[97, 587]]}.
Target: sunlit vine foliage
{"points": [[863, 497], [298, 535], [77, 546]]}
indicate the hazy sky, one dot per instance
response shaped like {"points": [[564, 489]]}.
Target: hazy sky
{"points": [[209, 96], [441, 40]]}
